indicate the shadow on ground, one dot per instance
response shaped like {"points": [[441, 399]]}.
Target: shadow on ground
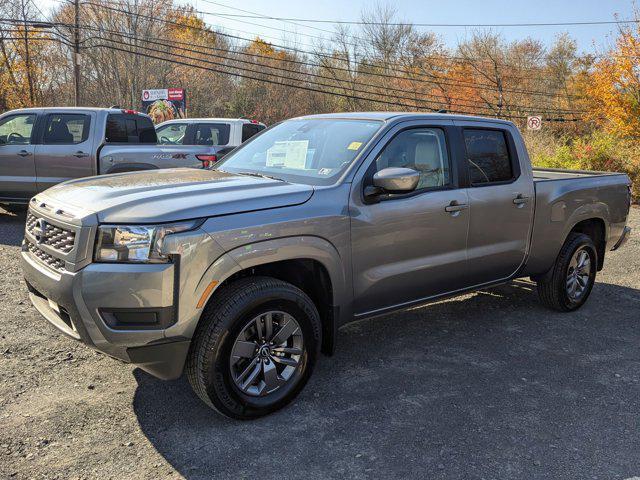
{"points": [[490, 385], [11, 227]]}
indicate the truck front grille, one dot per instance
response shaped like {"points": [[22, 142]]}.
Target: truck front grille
{"points": [[50, 235], [44, 257]]}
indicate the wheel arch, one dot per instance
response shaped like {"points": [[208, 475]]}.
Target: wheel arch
{"points": [[596, 229], [310, 263]]}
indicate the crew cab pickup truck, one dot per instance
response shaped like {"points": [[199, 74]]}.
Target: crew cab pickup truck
{"points": [[241, 275], [40, 147], [220, 135]]}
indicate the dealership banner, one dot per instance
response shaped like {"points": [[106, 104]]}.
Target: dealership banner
{"points": [[164, 104]]}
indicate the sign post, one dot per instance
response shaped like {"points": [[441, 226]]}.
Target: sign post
{"points": [[534, 122]]}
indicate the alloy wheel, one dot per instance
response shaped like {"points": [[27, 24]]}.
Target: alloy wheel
{"points": [[267, 353], [578, 274]]}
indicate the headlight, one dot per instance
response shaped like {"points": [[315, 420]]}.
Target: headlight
{"points": [[136, 243]]}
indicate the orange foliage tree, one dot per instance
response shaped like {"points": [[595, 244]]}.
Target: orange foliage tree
{"points": [[613, 87]]}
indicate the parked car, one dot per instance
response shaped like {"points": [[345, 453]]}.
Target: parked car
{"points": [[40, 147], [244, 273], [219, 135]]}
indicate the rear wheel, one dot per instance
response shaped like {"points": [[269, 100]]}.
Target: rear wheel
{"points": [[568, 284], [255, 348]]}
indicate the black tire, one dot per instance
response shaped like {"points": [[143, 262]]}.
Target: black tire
{"points": [[552, 286], [208, 364]]}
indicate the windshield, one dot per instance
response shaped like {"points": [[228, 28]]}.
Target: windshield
{"points": [[308, 151]]}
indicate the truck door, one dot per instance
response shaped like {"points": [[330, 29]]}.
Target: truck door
{"points": [[409, 247], [501, 198], [17, 164], [65, 150]]}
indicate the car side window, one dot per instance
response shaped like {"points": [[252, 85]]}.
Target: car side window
{"points": [[16, 129], [249, 130], [126, 128], [66, 129], [172, 134], [488, 159], [423, 150], [212, 134]]}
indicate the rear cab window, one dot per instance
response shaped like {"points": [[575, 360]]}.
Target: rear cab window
{"points": [[130, 128], [250, 129], [488, 157], [66, 128], [212, 134]]}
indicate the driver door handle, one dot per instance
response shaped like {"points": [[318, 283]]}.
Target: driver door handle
{"points": [[454, 207], [24, 153], [80, 154]]}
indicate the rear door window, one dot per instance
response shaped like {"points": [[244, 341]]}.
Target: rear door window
{"points": [[66, 128], [172, 134], [249, 130], [212, 134], [17, 129], [130, 128], [488, 159]]}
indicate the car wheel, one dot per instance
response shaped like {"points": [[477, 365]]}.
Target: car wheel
{"points": [[568, 284], [255, 347]]}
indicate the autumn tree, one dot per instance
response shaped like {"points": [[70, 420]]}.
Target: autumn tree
{"points": [[613, 87]]}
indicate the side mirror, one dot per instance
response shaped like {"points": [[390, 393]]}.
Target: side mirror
{"points": [[396, 180]]}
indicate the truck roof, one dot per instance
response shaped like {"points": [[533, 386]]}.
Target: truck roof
{"points": [[212, 119], [75, 109], [387, 116]]}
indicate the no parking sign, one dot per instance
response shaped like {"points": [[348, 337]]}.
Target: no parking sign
{"points": [[534, 123]]}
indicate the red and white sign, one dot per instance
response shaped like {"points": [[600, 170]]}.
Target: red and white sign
{"points": [[157, 94], [534, 123], [175, 94]]}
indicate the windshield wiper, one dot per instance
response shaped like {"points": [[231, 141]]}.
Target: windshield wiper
{"points": [[259, 175]]}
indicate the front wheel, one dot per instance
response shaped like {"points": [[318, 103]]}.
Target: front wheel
{"points": [[568, 284], [255, 347]]}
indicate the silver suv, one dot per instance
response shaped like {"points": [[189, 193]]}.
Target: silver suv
{"points": [[242, 275]]}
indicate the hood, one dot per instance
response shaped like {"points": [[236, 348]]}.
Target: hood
{"points": [[156, 196]]}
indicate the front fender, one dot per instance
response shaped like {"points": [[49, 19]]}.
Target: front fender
{"points": [[276, 250]]}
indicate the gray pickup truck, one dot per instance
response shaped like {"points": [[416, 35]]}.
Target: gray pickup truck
{"points": [[241, 275], [40, 147]]}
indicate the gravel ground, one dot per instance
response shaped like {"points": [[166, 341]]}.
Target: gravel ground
{"points": [[489, 385]]}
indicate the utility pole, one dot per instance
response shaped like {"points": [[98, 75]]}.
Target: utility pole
{"points": [[76, 53], [27, 56]]}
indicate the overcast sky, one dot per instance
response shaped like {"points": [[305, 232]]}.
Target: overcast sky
{"points": [[427, 11]]}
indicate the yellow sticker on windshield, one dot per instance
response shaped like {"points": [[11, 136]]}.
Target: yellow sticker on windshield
{"points": [[354, 145]]}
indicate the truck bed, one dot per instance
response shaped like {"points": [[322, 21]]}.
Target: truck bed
{"points": [[566, 197], [547, 174]]}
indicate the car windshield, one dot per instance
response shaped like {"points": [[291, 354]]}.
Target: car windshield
{"points": [[308, 151]]}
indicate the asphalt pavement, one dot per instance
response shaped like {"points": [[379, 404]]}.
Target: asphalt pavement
{"points": [[486, 386]]}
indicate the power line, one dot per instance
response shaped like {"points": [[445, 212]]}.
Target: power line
{"points": [[320, 54], [300, 87], [436, 25], [433, 99]]}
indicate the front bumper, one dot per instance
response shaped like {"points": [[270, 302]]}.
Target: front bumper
{"points": [[82, 304]]}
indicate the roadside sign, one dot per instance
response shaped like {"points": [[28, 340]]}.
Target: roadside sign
{"points": [[164, 104], [534, 123]]}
